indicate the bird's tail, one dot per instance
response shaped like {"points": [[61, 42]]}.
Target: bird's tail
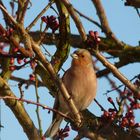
{"points": [[54, 127]]}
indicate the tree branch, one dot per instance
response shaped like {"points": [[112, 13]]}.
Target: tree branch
{"points": [[19, 111], [105, 131], [104, 22], [39, 15], [126, 53], [37, 107], [89, 19], [34, 103], [27, 82], [117, 74], [63, 45], [22, 7], [76, 19], [8, 15]]}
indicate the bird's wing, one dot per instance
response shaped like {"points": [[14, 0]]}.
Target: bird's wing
{"points": [[56, 102], [66, 79]]}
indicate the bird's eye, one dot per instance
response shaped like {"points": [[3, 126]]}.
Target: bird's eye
{"points": [[82, 56]]}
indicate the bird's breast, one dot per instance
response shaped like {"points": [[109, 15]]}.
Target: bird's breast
{"points": [[81, 85]]}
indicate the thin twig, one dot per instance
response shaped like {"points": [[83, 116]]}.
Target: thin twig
{"points": [[76, 19], [102, 108], [12, 4], [49, 54], [21, 91], [24, 10], [39, 15], [42, 35], [37, 107], [54, 10], [137, 10], [89, 19], [7, 22], [34, 103], [113, 84], [21, 66], [117, 88], [24, 34], [121, 104], [104, 22], [10, 17], [7, 55], [118, 74], [27, 82]]}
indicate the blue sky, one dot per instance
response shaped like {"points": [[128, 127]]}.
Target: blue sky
{"points": [[123, 21]]}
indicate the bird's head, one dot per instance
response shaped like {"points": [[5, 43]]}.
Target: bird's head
{"points": [[81, 57]]}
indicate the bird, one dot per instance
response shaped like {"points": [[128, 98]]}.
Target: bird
{"points": [[81, 83]]}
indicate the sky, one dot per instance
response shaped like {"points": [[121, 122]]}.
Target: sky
{"points": [[123, 21]]}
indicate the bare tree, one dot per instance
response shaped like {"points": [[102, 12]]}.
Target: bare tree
{"points": [[21, 47]]}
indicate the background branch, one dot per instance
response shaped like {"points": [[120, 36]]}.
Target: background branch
{"points": [[76, 19], [19, 111], [63, 45], [34, 103], [110, 125], [105, 131], [39, 15], [117, 74], [104, 22], [89, 19]]}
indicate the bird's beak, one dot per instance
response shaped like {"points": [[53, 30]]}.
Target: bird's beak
{"points": [[74, 56]]}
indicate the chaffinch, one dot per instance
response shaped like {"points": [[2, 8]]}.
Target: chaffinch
{"points": [[80, 81]]}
